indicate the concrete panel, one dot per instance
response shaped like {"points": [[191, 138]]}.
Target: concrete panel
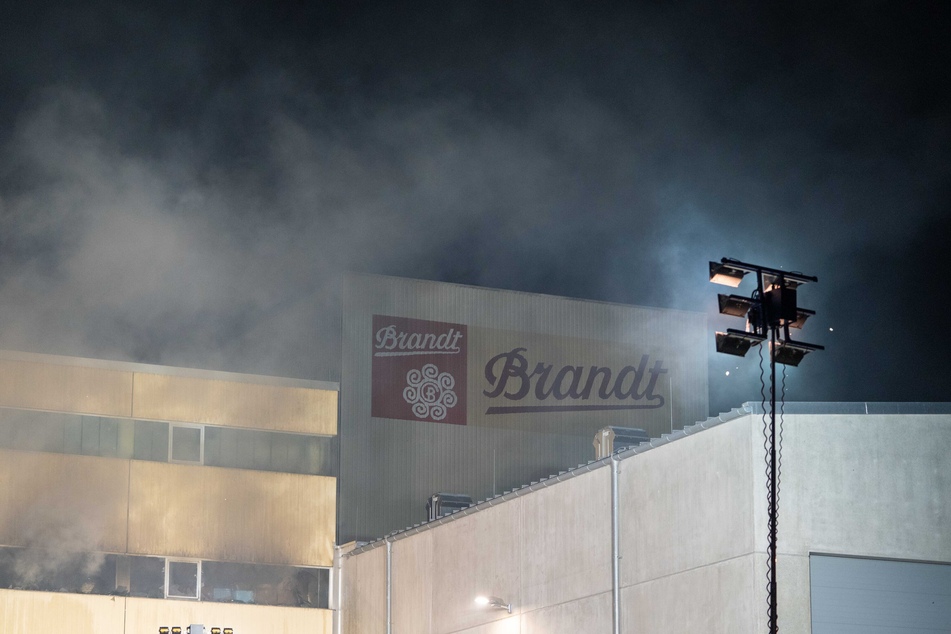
{"points": [[588, 614], [875, 486], [363, 602], [476, 555], [412, 584], [231, 514], [714, 599], [63, 502], [65, 388], [234, 404], [686, 504], [511, 624], [146, 615], [572, 519], [792, 582], [24, 612]]}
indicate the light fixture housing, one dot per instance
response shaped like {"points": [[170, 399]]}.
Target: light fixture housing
{"points": [[737, 342], [802, 314], [493, 602], [721, 273], [792, 352], [734, 305]]}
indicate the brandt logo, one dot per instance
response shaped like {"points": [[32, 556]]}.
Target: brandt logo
{"points": [[429, 391], [419, 369], [509, 376], [391, 342]]}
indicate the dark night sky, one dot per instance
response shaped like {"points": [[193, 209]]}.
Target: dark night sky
{"points": [[183, 185]]}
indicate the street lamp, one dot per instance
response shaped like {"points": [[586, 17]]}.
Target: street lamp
{"points": [[769, 312]]}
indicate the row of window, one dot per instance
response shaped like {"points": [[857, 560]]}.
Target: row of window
{"points": [[27, 430], [160, 577]]}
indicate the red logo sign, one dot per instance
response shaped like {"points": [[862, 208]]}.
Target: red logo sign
{"points": [[419, 370]]}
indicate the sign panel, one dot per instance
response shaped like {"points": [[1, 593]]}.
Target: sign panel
{"points": [[424, 370], [419, 370]]}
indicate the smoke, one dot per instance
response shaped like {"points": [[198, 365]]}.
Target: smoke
{"points": [[186, 190]]}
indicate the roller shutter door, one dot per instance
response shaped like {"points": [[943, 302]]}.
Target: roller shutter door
{"points": [[875, 596]]}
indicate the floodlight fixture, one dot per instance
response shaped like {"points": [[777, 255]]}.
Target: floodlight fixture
{"points": [[790, 279], [737, 342], [789, 352], [802, 314], [735, 305], [722, 273], [493, 602]]}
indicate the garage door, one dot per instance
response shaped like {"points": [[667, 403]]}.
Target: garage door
{"points": [[853, 595]]}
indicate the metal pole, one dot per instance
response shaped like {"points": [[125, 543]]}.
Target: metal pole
{"points": [[615, 545], [389, 582]]}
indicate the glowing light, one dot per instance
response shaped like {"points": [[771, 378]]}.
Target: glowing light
{"points": [[728, 373], [482, 600]]}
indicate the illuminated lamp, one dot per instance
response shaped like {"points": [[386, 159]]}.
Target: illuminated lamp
{"points": [[163, 630], [791, 352], [228, 630], [176, 630], [726, 274], [735, 305], [216, 630], [493, 602], [737, 342]]}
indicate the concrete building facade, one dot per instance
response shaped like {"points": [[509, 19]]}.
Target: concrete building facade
{"points": [[864, 545], [136, 496]]}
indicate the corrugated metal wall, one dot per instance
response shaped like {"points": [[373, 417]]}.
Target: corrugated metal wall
{"points": [[390, 466], [68, 502], [231, 514], [84, 503], [214, 402]]}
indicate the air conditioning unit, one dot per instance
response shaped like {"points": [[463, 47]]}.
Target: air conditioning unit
{"points": [[440, 504], [611, 439]]}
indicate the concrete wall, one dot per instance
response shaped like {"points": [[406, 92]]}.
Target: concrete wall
{"points": [[23, 611], [692, 534]]}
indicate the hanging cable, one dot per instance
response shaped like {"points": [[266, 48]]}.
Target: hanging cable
{"points": [[769, 475]]}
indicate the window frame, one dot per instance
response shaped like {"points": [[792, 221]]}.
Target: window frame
{"points": [[201, 442], [168, 572]]}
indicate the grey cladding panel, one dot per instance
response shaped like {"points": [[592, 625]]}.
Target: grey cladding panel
{"points": [[852, 595]]}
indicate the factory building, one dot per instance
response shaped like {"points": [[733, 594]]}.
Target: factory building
{"points": [[469, 391], [134, 497], [670, 536]]}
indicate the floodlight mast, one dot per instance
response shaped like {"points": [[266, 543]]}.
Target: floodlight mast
{"points": [[770, 312]]}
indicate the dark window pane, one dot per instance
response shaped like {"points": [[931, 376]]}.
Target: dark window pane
{"points": [[90, 431], [108, 437], [147, 577], [186, 444], [49, 571], [150, 441], [265, 585], [183, 579]]}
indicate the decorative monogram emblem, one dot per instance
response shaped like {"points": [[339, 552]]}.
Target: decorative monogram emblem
{"points": [[429, 392]]}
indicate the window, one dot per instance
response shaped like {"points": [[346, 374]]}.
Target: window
{"points": [[186, 443], [265, 584], [182, 579]]}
